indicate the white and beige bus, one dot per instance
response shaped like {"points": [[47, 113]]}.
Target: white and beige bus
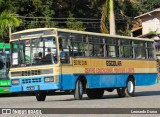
{"points": [[80, 62]]}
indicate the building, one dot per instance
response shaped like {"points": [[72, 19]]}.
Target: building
{"points": [[147, 25]]}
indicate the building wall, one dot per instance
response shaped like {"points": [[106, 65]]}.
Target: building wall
{"points": [[151, 23]]}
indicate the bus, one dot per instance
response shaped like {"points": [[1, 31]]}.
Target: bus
{"points": [[93, 63], [4, 68]]}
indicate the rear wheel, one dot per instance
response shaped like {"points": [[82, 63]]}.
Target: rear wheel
{"points": [[95, 93], [78, 93], [40, 96], [121, 92]]}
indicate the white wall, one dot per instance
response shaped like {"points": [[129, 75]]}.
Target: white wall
{"points": [[151, 23]]}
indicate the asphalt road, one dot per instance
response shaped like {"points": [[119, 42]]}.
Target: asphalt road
{"points": [[145, 97]]}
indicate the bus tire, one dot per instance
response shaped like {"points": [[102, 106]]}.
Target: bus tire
{"points": [[130, 87], [78, 93], [40, 96], [121, 92], [95, 93]]}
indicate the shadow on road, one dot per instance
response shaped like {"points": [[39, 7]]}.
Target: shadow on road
{"points": [[86, 98], [115, 96], [147, 93]]}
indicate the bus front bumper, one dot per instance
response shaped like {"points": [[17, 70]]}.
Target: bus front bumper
{"points": [[33, 87]]}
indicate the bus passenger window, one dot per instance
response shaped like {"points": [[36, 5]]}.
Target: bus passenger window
{"points": [[101, 51], [62, 54], [38, 58]]}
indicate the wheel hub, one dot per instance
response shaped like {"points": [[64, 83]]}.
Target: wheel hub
{"points": [[81, 88], [130, 87]]}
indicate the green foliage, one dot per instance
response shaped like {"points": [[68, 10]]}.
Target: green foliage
{"points": [[8, 20], [154, 33], [149, 5], [33, 9], [73, 24], [44, 13]]}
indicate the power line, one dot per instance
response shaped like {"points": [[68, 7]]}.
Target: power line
{"points": [[56, 18], [61, 22]]}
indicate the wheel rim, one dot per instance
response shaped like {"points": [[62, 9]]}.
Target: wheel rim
{"points": [[130, 87], [80, 88]]}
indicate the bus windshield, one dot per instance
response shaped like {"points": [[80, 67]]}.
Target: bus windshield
{"points": [[38, 51]]}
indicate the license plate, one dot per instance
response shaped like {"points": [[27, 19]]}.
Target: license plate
{"points": [[30, 88]]}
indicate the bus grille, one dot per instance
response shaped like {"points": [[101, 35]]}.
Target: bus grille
{"points": [[33, 80]]}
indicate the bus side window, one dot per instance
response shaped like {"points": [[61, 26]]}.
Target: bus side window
{"points": [[101, 51], [65, 50]]}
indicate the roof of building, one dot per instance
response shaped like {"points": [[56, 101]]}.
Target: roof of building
{"points": [[150, 35], [148, 13]]}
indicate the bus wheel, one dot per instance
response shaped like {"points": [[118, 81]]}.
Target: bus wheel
{"points": [[95, 93], [78, 93], [40, 96], [121, 92], [130, 89]]}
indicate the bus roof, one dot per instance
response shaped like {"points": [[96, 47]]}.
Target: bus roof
{"points": [[81, 32]]}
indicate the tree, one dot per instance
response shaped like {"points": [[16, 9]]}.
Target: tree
{"points": [[125, 11], [45, 13], [7, 20], [73, 24], [108, 12], [34, 13], [148, 5], [104, 18], [123, 8], [111, 18]]}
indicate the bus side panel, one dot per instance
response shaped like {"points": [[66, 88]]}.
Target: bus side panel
{"points": [[145, 79], [94, 81], [68, 81], [119, 80], [106, 81]]}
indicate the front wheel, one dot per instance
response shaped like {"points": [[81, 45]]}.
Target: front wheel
{"points": [[40, 96], [78, 93]]}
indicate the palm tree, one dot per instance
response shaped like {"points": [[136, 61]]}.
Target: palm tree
{"points": [[104, 18], [8, 20], [108, 14], [111, 18]]}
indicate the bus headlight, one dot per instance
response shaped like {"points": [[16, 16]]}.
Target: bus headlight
{"points": [[48, 79], [15, 81]]}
